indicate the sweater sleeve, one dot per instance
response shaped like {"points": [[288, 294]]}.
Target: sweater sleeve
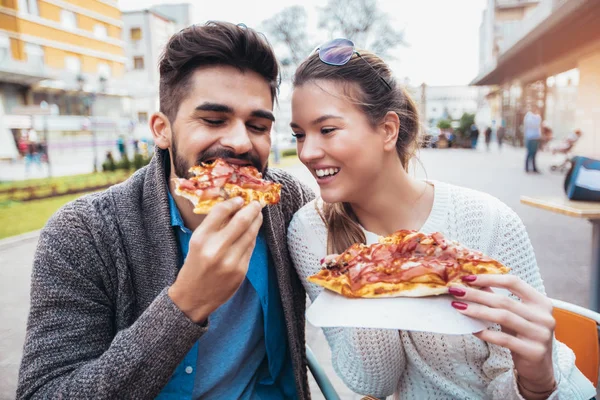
{"points": [[369, 361], [512, 247], [72, 347]]}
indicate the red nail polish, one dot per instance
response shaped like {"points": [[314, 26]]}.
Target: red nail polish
{"points": [[322, 260], [469, 278], [459, 305], [458, 292]]}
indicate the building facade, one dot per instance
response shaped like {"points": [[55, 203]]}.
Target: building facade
{"points": [[550, 60], [62, 74], [145, 33]]}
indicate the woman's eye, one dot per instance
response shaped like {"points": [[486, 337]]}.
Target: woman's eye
{"points": [[298, 136], [325, 131]]}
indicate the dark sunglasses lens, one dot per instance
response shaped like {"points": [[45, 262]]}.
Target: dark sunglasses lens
{"points": [[336, 52]]}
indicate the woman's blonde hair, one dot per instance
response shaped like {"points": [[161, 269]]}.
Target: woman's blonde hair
{"points": [[375, 99]]}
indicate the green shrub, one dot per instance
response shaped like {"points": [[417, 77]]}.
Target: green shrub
{"points": [[288, 152], [124, 162], [138, 161], [109, 163]]}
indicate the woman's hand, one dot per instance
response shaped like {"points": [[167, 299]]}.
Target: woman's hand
{"points": [[527, 326]]}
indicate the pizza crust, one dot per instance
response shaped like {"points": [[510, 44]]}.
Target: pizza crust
{"points": [[422, 286]]}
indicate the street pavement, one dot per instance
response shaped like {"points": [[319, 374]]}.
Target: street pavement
{"points": [[562, 245]]}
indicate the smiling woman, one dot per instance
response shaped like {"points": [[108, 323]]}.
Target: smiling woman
{"points": [[356, 129]]}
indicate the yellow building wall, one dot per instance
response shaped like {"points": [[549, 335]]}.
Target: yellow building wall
{"points": [[9, 23], [9, 3], [49, 11], [118, 69], [58, 35], [96, 6], [54, 58], [114, 32], [588, 106], [17, 49], [88, 23]]}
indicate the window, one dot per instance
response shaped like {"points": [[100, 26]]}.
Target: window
{"points": [[142, 117], [136, 34], [29, 6], [100, 31], [68, 19], [73, 64], [138, 62], [4, 47], [35, 54], [104, 70]]}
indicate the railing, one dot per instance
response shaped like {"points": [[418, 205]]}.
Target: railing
{"points": [[22, 69]]}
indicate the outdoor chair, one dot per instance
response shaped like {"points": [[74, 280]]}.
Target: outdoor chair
{"points": [[576, 326]]}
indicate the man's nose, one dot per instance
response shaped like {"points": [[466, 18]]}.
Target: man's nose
{"points": [[237, 139]]}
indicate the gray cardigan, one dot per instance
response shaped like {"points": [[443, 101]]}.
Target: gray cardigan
{"points": [[101, 324]]}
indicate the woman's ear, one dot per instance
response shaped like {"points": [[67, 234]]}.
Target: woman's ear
{"points": [[161, 130], [391, 127]]}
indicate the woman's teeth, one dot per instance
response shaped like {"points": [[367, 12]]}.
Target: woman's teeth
{"points": [[326, 172]]}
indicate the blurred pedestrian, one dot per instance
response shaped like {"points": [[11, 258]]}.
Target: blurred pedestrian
{"points": [[121, 146], [488, 137], [532, 124], [474, 136], [32, 154], [500, 135], [546, 137]]}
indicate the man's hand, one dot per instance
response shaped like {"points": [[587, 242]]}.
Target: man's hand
{"points": [[218, 258]]}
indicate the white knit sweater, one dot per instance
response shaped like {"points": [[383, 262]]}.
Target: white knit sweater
{"points": [[416, 365]]}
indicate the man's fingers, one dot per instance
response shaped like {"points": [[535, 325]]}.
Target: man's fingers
{"points": [[246, 241], [221, 213]]}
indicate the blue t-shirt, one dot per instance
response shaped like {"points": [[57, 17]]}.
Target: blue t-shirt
{"points": [[243, 355]]}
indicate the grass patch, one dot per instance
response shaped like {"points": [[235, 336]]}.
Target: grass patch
{"points": [[39, 188], [17, 218], [22, 217]]}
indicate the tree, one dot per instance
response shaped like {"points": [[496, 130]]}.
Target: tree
{"points": [[288, 28], [465, 123], [444, 124], [362, 22]]}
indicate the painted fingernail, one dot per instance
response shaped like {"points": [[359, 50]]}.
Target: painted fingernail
{"points": [[458, 292], [459, 305], [322, 261], [469, 278]]}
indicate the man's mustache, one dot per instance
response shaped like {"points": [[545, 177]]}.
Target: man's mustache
{"points": [[211, 155]]}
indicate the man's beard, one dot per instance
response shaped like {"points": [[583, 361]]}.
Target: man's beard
{"points": [[182, 167]]}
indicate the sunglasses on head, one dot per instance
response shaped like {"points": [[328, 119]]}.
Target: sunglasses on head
{"points": [[339, 51]]}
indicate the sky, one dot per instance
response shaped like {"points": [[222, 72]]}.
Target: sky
{"points": [[442, 35]]}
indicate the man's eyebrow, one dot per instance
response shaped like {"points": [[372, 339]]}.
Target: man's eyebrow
{"points": [[207, 106], [263, 114]]}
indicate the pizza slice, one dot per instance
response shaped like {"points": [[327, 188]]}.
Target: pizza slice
{"points": [[218, 181], [404, 264]]}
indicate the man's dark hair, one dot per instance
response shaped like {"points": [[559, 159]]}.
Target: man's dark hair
{"points": [[215, 43]]}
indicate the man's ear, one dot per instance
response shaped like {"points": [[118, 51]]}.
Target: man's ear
{"points": [[391, 127], [161, 130]]}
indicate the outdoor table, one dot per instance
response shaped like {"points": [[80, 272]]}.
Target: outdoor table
{"points": [[577, 209]]}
